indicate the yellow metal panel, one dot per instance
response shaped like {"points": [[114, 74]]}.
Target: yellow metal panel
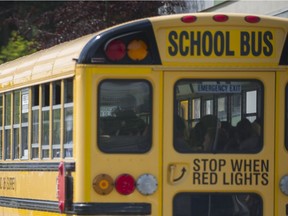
{"points": [[206, 43], [24, 212], [91, 161], [29, 185], [281, 153]]}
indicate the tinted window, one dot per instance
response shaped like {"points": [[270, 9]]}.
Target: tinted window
{"points": [[217, 204], [124, 113], [218, 116]]}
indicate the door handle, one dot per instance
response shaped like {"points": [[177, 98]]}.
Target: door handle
{"points": [[177, 172]]}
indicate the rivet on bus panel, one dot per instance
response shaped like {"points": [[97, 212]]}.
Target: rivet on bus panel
{"points": [[189, 19]]}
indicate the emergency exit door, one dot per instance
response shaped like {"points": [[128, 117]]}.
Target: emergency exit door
{"points": [[204, 173]]}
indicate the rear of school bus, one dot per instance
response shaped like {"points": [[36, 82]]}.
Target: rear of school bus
{"points": [[143, 91]]}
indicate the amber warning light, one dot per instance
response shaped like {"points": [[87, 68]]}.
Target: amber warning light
{"points": [[103, 184]]}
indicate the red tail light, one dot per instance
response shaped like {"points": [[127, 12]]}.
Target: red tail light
{"points": [[115, 50], [125, 184]]}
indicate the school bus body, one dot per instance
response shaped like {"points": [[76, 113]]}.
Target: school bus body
{"points": [[191, 57]]}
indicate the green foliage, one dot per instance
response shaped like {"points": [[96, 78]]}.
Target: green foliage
{"points": [[16, 47], [29, 25]]}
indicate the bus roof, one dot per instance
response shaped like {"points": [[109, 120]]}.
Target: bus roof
{"points": [[55, 62], [60, 61]]}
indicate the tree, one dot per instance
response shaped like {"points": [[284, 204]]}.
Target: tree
{"points": [[17, 46], [74, 19], [188, 6], [46, 24], [18, 28]]}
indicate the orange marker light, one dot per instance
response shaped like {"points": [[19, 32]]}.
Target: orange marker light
{"points": [[103, 184], [137, 50]]}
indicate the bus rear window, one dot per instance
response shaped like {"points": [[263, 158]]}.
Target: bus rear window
{"points": [[218, 116], [124, 113], [217, 204]]}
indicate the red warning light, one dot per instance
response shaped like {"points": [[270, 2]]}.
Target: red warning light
{"points": [[252, 19], [125, 184], [188, 19], [220, 18]]}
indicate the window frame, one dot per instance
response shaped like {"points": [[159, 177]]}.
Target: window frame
{"points": [[149, 136], [216, 96], [24, 130]]}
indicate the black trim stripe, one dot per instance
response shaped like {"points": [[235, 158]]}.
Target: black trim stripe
{"points": [[79, 208], [111, 209], [32, 166], [284, 55], [30, 204]]}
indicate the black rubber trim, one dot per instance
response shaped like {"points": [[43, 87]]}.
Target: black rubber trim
{"points": [[79, 208], [39, 205], [284, 55], [111, 209], [36, 166]]}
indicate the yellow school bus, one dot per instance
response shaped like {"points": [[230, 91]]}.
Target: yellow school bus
{"points": [[181, 115]]}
